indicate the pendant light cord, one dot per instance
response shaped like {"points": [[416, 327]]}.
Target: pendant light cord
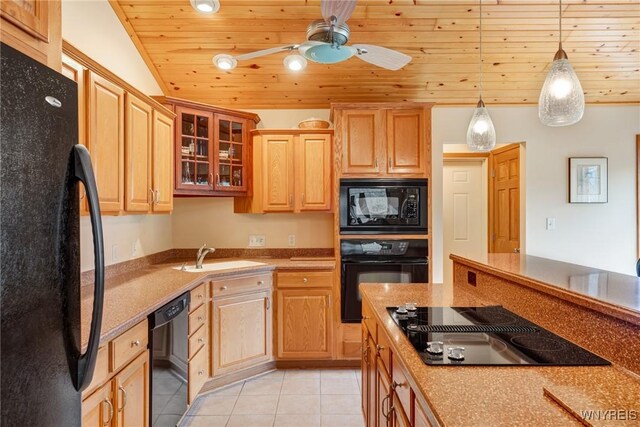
{"points": [[560, 19], [481, 83]]}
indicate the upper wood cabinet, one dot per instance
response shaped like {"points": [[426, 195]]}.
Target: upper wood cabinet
{"points": [[34, 28], [138, 137], [383, 140], [129, 136], [212, 149], [105, 112], [291, 172]]}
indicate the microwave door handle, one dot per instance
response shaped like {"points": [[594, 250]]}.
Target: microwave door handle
{"points": [[83, 172]]}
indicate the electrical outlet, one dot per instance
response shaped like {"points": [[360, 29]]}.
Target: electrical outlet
{"points": [[551, 224], [292, 239], [114, 253], [257, 240], [134, 249]]}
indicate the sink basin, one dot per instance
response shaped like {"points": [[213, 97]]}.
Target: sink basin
{"points": [[225, 265]]}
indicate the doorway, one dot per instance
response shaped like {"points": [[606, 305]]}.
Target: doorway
{"points": [[465, 210]]}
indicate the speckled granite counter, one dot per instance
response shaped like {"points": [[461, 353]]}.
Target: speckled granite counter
{"points": [[130, 297], [501, 396], [611, 293]]}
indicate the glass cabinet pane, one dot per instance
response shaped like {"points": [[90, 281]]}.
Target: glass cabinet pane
{"points": [[203, 127], [237, 178], [187, 172], [236, 132], [202, 148], [188, 124], [202, 177], [188, 147], [236, 152], [224, 174], [224, 133]]}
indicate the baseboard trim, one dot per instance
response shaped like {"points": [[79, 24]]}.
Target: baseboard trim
{"points": [[311, 364]]}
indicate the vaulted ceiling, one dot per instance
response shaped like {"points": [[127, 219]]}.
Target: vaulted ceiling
{"points": [[520, 37]]}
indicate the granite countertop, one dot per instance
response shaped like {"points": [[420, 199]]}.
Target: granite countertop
{"points": [[130, 297], [500, 396], [609, 292]]}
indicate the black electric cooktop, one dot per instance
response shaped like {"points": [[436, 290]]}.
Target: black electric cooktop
{"points": [[478, 336]]}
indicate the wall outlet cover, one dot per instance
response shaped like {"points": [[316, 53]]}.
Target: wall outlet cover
{"points": [[257, 240], [114, 253], [292, 239]]}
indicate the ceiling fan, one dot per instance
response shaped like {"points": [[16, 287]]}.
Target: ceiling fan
{"points": [[325, 44]]}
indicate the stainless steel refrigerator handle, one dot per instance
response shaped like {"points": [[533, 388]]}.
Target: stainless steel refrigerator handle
{"points": [[84, 173]]}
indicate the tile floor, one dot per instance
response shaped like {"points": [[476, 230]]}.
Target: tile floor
{"points": [[169, 398], [283, 398]]}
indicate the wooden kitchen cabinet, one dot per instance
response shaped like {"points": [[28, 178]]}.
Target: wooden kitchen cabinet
{"points": [[198, 344], [212, 149], [105, 113], [138, 137], [241, 332], [368, 377], [384, 140], [304, 314], [131, 388], [292, 172], [162, 163], [304, 324], [34, 27], [97, 409]]}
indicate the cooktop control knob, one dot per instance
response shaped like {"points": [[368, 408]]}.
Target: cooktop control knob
{"points": [[435, 347], [455, 353]]}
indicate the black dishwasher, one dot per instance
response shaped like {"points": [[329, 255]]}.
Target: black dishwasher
{"points": [[168, 353]]}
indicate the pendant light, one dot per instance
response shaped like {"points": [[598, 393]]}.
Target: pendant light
{"points": [[481, 135], [561, 100]]}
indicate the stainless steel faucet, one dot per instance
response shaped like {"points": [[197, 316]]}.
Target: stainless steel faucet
{"points": [[202, 252]]}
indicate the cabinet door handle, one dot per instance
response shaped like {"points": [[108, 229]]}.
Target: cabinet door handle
{"points": [[290, 199], [268, 303], [329, 300], [383, 406], [124, 398], [153, 196], [210, 178], [376, 164], [108, 402], [389, 163], [302, 199], [218, 178], [157, 196]]}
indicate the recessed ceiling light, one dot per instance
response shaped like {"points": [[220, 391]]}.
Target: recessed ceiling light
{"points": [[225, 61], [295, 62], [206, 6]]}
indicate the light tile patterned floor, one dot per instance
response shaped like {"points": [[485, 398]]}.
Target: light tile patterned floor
{"points": [[283, 398], [169, 398]]}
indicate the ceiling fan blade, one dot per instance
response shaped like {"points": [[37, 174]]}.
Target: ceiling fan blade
{"points": [[341, 9], [265, 52], [381, 56]]}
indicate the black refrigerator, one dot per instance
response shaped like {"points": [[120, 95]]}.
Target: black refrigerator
{"points": [[43, 367]]}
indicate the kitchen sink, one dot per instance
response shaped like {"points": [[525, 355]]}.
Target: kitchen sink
{"points": [[216, 266]]}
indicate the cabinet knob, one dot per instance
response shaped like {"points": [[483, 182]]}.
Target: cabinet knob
{"points": [[200, 318], [305, 280], [223, 288], [135, 343], [199, 296], [200, 340], [260, 282], [201, 372], [379, 348]]}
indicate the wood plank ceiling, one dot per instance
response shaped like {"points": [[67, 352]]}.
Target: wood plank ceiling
{"points": [[520, 37]]}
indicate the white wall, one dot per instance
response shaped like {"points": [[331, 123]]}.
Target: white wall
{"points": [[599, 235], [93, 27]]}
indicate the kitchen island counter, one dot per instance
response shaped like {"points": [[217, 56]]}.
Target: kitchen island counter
{"points": [[499, 395]]}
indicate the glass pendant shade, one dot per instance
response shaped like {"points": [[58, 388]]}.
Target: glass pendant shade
{"points": [[561, 100], [481, 135]]}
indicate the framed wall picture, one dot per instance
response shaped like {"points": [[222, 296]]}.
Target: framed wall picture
{"points": [[588, 180]]}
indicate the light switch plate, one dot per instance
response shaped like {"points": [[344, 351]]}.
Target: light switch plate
{"points": [[257, 240], [292, 239], [551, 224]]}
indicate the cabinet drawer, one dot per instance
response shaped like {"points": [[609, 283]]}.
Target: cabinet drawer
{"points": [[198, 297], [369, 321], [238, 285], [402, 389], [384, 350], [197, 340], [128, 345], [197, 318], [305, 279], [101, 371], [197, 375]]}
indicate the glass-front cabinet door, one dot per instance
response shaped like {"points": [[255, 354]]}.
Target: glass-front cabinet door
{"points": [[194, 169], [231, 165]]}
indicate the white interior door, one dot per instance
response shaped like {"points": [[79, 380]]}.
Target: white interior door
{"points": [[465, 210]]}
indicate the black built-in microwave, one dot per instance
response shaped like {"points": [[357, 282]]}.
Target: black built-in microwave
{"points": [[383, 206]]}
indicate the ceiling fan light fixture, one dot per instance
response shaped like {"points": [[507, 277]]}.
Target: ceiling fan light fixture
{"points": [[206, 6], [561, 101], [326, 53], [295, 62], [224, 61]]}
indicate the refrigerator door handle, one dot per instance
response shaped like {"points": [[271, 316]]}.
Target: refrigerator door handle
{"points": [[84, 173]]}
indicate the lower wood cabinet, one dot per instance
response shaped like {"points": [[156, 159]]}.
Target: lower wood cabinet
{"points": [[368, 383], [241, 333], [198, 348], [123, 401]]}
